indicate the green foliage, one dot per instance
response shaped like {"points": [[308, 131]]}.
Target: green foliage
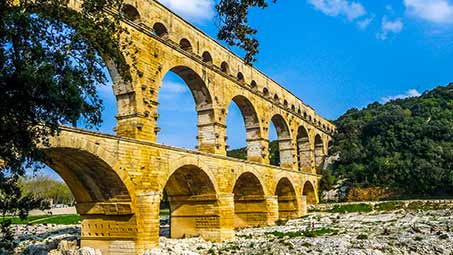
{"points": [[362, 237], [307, 233], [64, 219], [349, 208], [388, 206], [405, 144], [50, 68], [45, 188], [234, 28]]}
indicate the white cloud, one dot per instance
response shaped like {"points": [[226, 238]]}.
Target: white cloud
{"points": [[436, 11], [409, 93], [173, 87], [195, 10], [364, 23], [350, 10], [390, 26]]}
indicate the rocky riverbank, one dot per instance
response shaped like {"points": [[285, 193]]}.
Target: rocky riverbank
{"points": [[400, 231]]}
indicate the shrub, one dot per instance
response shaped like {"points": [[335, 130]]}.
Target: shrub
{"points": [[352, 208]]}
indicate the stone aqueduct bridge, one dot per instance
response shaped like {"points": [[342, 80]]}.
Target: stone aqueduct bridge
{"points": [[118, 181]]}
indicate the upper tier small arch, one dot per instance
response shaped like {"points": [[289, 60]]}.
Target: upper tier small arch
{"points": [[185, 45], [130, 12], [160, 30], [206, 57]]}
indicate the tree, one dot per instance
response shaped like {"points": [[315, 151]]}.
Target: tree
{"points": [[234, 28], [50, 67], [405, 144]]}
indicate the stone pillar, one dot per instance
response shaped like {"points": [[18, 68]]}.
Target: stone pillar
{"points": [[207, 216], [286, 153], [256, 150], [272, 209], [302, 202], [288, 207], [319, 157], [109, 227], [306, 155], [211, 134], [251, 211], [148, 220]]}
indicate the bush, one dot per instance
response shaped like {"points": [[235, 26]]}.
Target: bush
{"points": [[362, 237], [352, 208]]}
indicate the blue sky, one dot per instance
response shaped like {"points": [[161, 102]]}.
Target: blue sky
{"points": [[333, 54]]}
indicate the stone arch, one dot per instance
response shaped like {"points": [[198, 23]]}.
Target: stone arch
{"points": [[304, 151], [90, 178], [287, 201], [285, 103], [103, 191], [225, 67], [206, 57], [130, 12], [252, 127], [276, 98], [160, 30], [253, 85], [284, 140], [309, 192], [240, 77], [191, 194], [319, 153], [249, 201], [203, 103], [265, 92], [185, 45]]}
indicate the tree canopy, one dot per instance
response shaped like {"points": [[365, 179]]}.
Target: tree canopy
{"points": [[405, 144]]}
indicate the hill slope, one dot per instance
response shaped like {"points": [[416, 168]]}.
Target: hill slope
{"points": [[405, 144]]}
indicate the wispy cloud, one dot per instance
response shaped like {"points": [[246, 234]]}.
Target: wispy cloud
{"points": [[353, 11], [390, 27], [409, 93], [436, 11], [171, 89], [194, 10], [364, 23], [350, 10]]}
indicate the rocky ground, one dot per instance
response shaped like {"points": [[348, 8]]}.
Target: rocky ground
{"points": [[396, 232]]}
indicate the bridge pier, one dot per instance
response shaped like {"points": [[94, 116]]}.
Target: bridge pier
{"points": [[255, 210], [306, 155], [206, 216]]}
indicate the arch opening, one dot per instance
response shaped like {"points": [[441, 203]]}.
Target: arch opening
{"points": [[252, 130], [185, 45], [266, 92], [225, 67], [287, 200], [253, 85], [176, 119], [283, 144], [240, 77], [304, 151], [249, 202], [309, 193], [206, 57], [160, 30], [130, 12], [100, 195], [191, 196], [319, 153]]}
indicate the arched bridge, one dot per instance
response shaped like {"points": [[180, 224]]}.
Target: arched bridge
{"points": [[118, 181]]}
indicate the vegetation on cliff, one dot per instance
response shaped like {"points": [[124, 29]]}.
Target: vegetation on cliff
{"points": [[405, 145]]}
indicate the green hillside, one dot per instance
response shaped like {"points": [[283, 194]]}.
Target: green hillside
{"points": [[405, 144], [274, 156]]}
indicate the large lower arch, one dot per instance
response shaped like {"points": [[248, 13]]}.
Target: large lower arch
{"points": [[250, 207], [304, 151], [287, 201], [195, 205], [203, 106], [252, 126], [319, 154], [103, 198], [284, 141], [309, 192]]}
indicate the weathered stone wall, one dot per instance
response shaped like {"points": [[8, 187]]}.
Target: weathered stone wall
{"points": [[208, 193]]}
